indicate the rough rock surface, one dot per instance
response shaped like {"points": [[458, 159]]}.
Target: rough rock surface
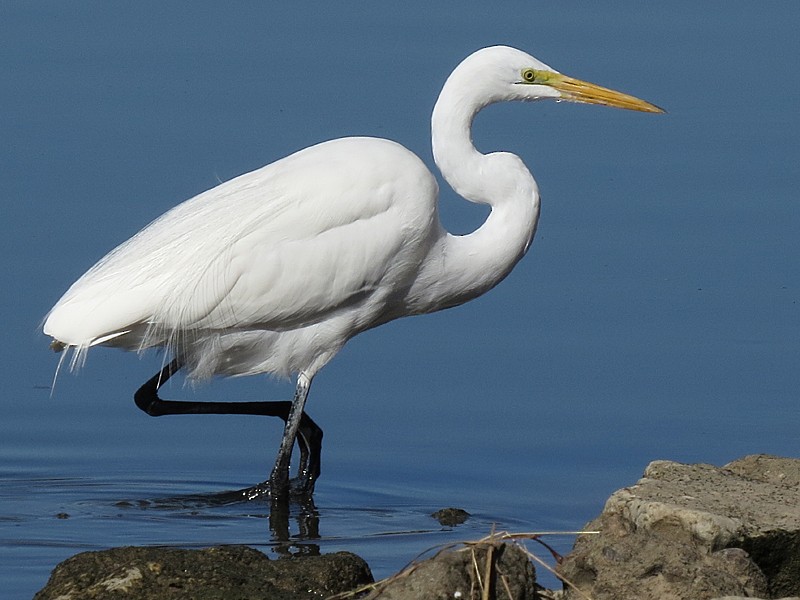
{"points": [[465, 573], [451, 517], [219, 573], [695, 532]]}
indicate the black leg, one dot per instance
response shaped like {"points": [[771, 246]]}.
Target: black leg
{"points": [[279, 478], [307, 433]]}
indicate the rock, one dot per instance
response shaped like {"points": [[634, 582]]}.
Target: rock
{"points": [[218, 573], [452, 574], [695, 532], [451, 517]]}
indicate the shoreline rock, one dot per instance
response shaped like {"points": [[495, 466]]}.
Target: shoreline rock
{"points": [[488, 568], [695, 531], [216, 573]]}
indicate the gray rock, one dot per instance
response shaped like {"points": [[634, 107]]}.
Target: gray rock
{"points": [[695, 532], [451, 517], [219, 573], [464, 574]]}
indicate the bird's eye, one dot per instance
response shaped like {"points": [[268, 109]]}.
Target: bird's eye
{"points": [[528, 75]]}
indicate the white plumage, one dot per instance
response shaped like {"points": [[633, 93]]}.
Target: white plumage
{"points": [[268, 254]]}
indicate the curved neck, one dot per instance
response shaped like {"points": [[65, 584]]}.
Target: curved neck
{"points": [[465, 266]]}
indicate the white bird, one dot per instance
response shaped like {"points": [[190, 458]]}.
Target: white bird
{"points": [[275, 270]]}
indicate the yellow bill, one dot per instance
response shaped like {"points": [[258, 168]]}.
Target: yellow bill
{"points": [[575, 90]]}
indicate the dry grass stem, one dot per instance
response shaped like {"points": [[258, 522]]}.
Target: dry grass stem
{"points": [[486, 587]]}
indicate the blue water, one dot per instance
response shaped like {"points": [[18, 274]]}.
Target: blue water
{"points": [[655, 317]]}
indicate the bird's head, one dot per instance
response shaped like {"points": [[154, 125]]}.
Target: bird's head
{"points": [[506, 73]]}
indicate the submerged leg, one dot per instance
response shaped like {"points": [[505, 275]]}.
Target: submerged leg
{"points": [[307, 433]]}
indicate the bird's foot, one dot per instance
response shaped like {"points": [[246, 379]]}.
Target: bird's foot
{"points": [[298, 488]]}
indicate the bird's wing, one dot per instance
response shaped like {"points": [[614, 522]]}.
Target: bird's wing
{"points": [[318, 232]]}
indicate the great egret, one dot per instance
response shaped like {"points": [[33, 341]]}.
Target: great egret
{"points": [[273, 271]]}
